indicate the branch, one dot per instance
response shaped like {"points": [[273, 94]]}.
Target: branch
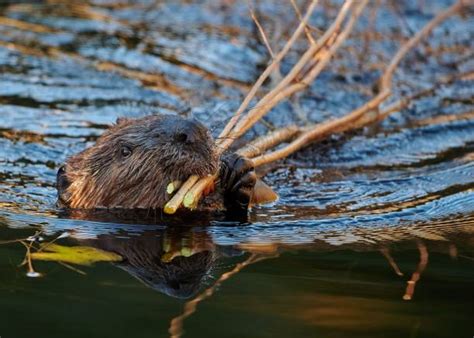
{"points": [[268, 141], [349, 121], [308, 68], [175, 202]]}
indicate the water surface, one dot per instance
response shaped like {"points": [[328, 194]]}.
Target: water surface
{"points": [[373, 234]]}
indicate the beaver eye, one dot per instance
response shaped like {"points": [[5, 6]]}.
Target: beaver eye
{"points": [[125, 151]]}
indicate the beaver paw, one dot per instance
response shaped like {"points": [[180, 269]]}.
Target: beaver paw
{"points": [[238, 180]]}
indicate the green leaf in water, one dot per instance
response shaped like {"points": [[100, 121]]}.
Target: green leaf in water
{"points": [[81, 255]]}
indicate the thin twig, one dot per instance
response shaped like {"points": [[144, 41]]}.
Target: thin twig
{"points": [[307, 29], [261, 31], [27, 260]]}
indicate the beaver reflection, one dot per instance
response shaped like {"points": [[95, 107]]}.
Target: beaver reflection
{"points": [[176, 262]]}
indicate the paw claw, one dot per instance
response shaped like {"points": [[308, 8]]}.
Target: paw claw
{"points": [[238, 180]]}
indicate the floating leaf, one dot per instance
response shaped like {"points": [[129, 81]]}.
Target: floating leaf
{"points": [[81, 255]]}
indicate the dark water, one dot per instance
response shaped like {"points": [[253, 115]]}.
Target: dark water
{"points": [[373, 234]]}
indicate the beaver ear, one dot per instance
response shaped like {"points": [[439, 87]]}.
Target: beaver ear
{"points": [[121, 120], [62, 184]]}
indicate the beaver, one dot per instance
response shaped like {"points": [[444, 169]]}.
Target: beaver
{"points": [[131, 164]]}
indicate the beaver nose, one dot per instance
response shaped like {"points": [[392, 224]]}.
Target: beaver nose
{"points": [[190, 133]]}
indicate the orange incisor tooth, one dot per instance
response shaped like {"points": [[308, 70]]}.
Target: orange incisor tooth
{"points": [[209, 189]]}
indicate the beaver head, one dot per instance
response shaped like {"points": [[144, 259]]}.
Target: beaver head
{"points": [[132, 163]]}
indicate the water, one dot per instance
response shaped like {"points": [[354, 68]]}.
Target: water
{"points": [[373, 234]]}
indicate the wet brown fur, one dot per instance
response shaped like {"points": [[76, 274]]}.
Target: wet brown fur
{"points": [[100, 176]]}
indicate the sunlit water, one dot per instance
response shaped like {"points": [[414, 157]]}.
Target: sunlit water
{"points": [[373, 234]]}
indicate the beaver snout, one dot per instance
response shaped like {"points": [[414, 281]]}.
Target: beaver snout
{"points": [[192, 150], [191, 132]]}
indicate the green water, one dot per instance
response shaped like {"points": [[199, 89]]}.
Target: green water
{"points": [[297, 292]]}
